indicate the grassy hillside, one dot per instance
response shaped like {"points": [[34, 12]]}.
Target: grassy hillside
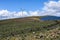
{"points": [[29, 28]]}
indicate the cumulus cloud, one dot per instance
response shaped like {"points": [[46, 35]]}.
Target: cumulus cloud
{"points": [[5, 14], [34, 13], [50, 8]]}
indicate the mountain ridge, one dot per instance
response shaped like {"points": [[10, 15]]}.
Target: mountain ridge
{"points": [[50, 18]]}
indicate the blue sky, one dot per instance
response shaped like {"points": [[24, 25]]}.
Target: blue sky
{"points": [[13, 8], [16, 5]]}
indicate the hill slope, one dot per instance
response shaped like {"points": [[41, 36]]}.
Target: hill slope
{"points": [[29, 28]]}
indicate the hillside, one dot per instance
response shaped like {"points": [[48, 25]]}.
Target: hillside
{"points": [[29, 28]]}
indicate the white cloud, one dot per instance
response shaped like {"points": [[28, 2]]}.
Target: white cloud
{"points": [[5, 14], [34, 13], [50, 8], [21, 14]]}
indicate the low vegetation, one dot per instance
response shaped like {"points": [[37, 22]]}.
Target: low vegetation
{"points": [[29, 28]]}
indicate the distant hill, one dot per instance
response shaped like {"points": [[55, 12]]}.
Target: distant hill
{"points": [[50, 18]]}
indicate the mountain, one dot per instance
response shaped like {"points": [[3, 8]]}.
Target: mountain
{"points": [[50, 18], [29, 28]]}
